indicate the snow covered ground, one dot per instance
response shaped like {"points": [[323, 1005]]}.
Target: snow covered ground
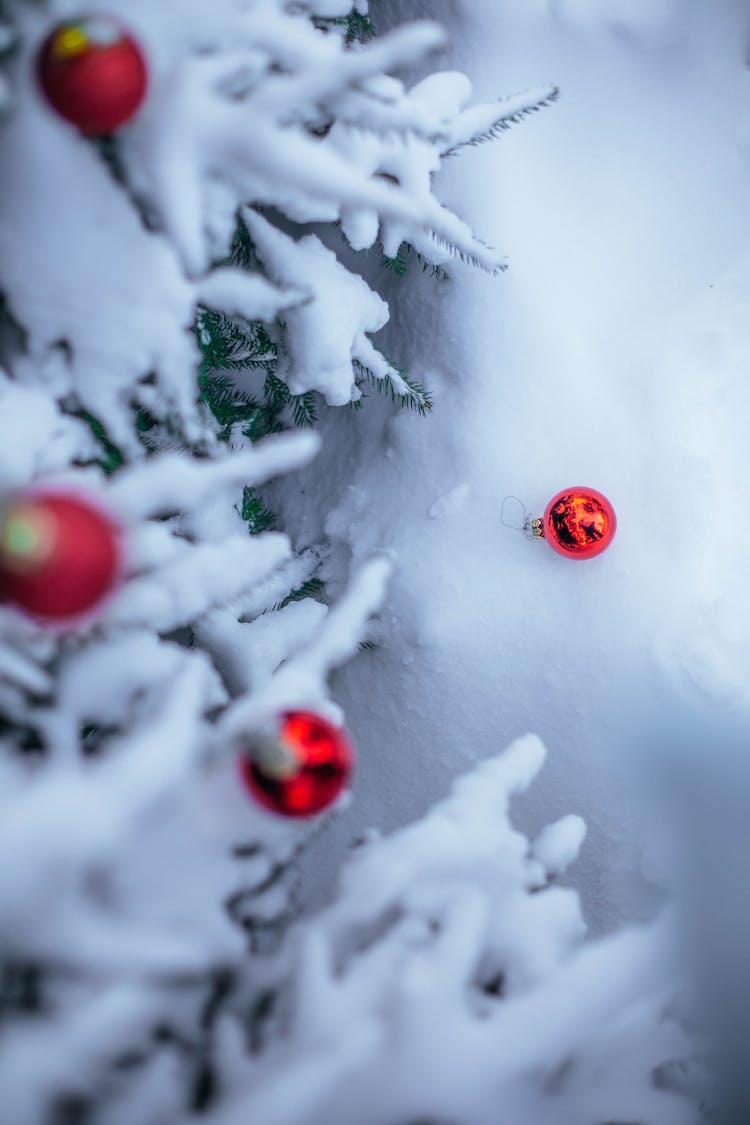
{"points": [[613, 353]]}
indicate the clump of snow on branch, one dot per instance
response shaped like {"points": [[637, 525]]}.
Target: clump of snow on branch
{"points": [[252, 106], [106, 840], [302, 679], [448, 977], [147, 908], [449, 981], [411, 159], [327, 332]]}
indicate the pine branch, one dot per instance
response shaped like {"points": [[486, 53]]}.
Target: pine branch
{"points": [[227, 344], [278, 396], [276, 392], [436, 271], [359, 28], [466, 256], [356, 27], [261, 423], [400, 266], [154, 430], [242, 252], [397, 265], [112, 457], [308, 589], [304, 409], [258, 517], [416, 398], [483, 123], [226, 402]]}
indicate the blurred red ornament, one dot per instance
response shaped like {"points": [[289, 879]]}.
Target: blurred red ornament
{"points": [[298, 765], [60, 555], [93, 74], [579, 523]]}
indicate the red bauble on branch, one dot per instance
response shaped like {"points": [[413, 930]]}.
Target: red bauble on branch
{"points": [[60, 554], [93, 74], [298, 765], [578, 522]]}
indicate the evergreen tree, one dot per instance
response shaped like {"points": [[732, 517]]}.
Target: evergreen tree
{"points": [[176, 316]]}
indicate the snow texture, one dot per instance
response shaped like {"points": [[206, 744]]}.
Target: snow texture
{"points": [[154, 959], [448, 982], [613, 352]]}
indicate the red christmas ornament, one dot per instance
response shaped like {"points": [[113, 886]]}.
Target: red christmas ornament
{"points": [[579, 523], [298, 765], [60, 555], [93, 74]]}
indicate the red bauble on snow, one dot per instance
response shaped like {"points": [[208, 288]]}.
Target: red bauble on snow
{"points": [[93, 73], [298, 765], [60, 554], [579, 523]]}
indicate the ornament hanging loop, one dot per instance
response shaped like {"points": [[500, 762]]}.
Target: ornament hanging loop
{"points": [[517, 522], [513, 514]]}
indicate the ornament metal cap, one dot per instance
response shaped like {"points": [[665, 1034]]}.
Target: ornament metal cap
{"points": [[271, 755]]}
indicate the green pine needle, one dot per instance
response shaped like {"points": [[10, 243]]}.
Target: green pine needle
{"points": [[417, 398], [308, 589], [506, 121], [304, 409], [112, 457], [357, 28], [397, 265], [400, 264], [230, 345], [262, 423], [227, 404], [258, 517], [435, 271], [242, 253], [275, 392], [144, 421]]}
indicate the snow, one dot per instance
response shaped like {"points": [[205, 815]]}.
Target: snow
{"points": [[613, 352], [171, 483], [238, 294], [202, 577], [330, 324], [454, 963], [143, 303], [653, 24], [388, 1014], [558, 844], [451, 503], [301, 681], [34, 438]]}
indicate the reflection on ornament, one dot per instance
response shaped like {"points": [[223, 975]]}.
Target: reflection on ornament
{"points": [[298, 765], [578, 522]]}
